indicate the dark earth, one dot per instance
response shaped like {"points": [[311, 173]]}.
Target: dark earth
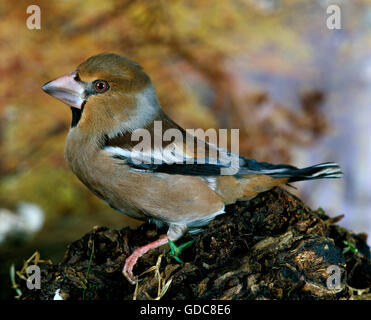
{"points": [[273, 247]]}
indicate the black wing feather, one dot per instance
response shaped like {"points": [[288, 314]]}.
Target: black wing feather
{"points": [[247, 166]]}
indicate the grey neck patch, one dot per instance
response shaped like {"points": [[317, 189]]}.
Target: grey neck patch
{"points": [[147, 107]]}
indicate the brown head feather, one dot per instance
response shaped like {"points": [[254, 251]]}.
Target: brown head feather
{"points": [[108, 112]]}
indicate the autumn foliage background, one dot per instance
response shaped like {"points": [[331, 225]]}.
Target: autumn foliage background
{"points": [[298, 92]]}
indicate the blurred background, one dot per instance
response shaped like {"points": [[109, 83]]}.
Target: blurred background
{"points": [[299, 92]]}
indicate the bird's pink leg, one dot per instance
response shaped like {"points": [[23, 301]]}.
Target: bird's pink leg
{"points": [[132, 259]]}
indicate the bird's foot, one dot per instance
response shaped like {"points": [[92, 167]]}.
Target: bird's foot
{"points": [[132, 259]]}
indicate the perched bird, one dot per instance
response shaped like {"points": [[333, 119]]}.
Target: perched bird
{"points": [[111, 98]]}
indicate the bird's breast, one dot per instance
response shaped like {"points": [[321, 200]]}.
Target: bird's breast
{"points": [[99, 173]]}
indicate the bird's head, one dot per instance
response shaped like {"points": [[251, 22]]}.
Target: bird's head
{"points": [[108, 93]]}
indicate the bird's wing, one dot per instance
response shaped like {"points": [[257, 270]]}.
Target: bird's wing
{"points": [[185, 156], [176, 157], [173, 163]]}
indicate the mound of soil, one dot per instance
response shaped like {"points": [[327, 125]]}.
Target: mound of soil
{"points": [[273, 247]]}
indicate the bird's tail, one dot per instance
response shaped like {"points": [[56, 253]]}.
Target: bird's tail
{"points": [[318, 171]]}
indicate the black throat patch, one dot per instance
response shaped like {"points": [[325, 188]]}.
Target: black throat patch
{"points": [[76, 114]]}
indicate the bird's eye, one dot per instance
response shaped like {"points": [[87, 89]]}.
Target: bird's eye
{"points": [[101, 86]]}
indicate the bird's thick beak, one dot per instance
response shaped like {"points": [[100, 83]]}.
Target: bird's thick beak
{"points": [[66, 89]]}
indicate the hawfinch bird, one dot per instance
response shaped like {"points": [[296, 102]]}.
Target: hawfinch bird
{"points": [[114, 104]]}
